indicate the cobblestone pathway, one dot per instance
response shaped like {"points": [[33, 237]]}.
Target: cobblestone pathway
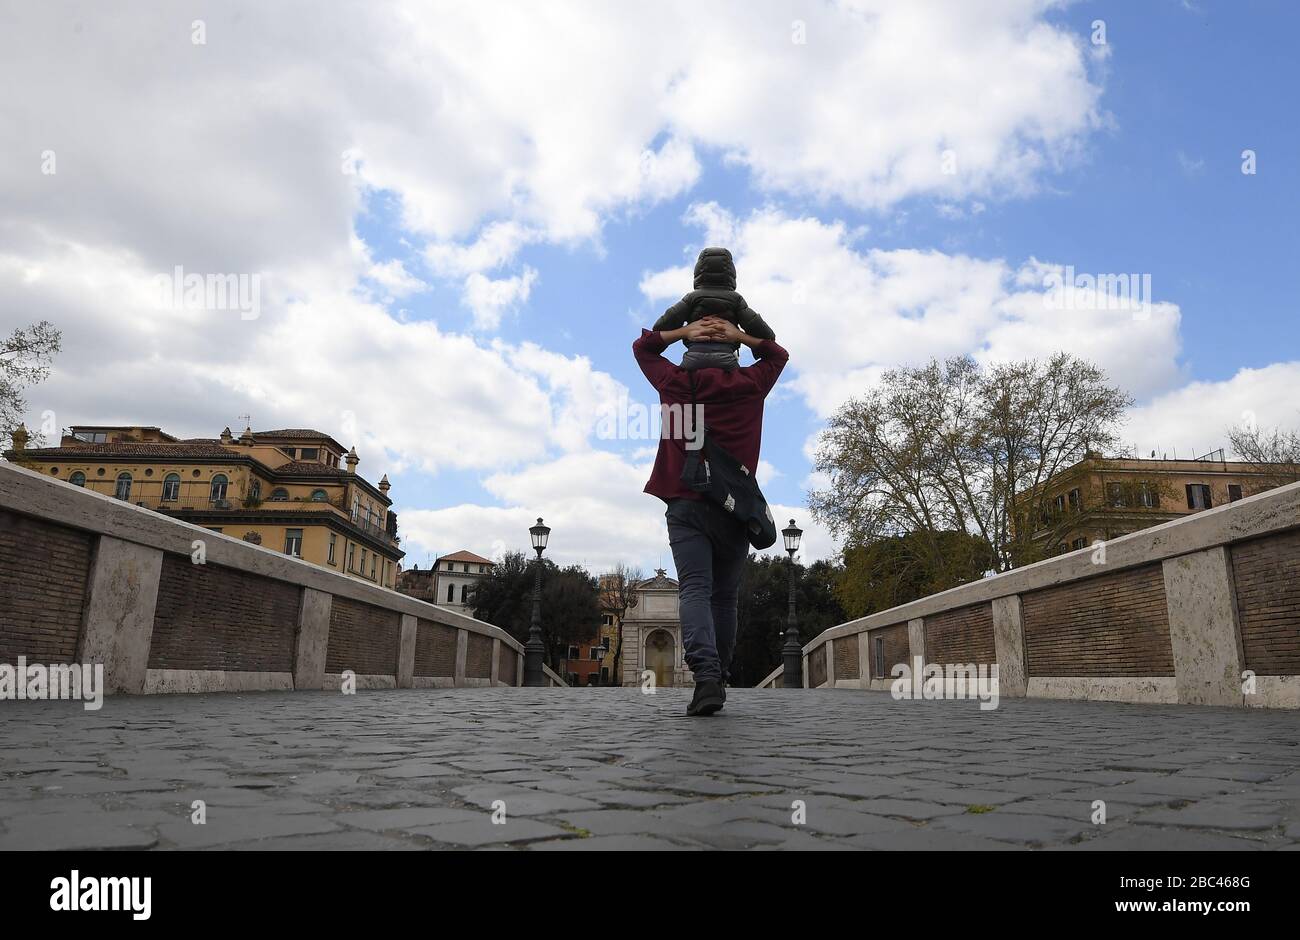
{"points": [[612, 768]]}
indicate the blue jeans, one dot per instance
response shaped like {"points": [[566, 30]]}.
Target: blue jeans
{"points": [[709, 549]]}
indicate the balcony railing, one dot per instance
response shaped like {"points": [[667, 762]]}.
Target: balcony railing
{"points": [[375, 529], [199, 499]]}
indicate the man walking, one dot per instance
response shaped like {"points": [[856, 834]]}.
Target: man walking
{"points": [[709, 545]]}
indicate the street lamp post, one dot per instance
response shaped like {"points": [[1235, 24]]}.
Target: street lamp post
{"points": [[792, 652], [534, 649]]}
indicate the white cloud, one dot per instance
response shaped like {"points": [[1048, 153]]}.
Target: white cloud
{"points": [[391, 278], [668, 283], [592, 502], [579, 394], [488, 299], [1194, 419], [1005, 92], [320, 355], [496, 124], [496, 245], [1135, 339], [766, 472], [486, 128], [396, 281]]}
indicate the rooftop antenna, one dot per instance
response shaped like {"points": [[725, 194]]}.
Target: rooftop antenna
{"points": [[247, 419]]}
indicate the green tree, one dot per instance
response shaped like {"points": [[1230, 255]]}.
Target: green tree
{"points": [[25, 358], [957, 447], [762, 607], [894, 570], [570, 602]]}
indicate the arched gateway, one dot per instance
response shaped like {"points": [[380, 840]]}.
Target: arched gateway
{"points": [[661, 657], [652, 635]]}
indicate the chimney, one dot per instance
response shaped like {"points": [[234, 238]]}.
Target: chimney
{"points": [[21, 437], [247, 437], [227, 437], [353, 460], [384, 485]]}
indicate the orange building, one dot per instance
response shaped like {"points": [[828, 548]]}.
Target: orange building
{"points": [[584, 663]]}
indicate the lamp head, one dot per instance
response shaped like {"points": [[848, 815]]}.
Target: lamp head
{"points": [[792, 534], [540, 533]]}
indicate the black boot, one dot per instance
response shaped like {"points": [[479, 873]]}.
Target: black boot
{"points": [[708, 698]]}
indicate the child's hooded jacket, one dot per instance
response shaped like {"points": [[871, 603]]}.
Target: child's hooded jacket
{"points": [[715, 295]]}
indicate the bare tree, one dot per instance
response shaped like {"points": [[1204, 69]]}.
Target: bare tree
{"points": [[952, 447], [25, 359], [1277, 452], [618, 594], [1043, 418]]}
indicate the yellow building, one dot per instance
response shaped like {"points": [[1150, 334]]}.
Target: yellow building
{"points": [[611, 626], [1102, 498], [613, 596], [293, 490]]}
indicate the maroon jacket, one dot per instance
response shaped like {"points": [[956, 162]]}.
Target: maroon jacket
{"points": [[732, 401]]}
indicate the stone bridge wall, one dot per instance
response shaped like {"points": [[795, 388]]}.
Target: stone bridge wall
{"points": [[89, 579], [1175, 613]]}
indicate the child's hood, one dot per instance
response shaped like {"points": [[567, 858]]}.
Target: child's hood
{"points": [[714, 268]]}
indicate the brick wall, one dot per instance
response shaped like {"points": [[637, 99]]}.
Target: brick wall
{"points": [[846, 657], [897, 649], [435, 649], [210, 617], [1111, 625], [962, 635], [1267, 576], [817, 667], [478, 658], [363, 638], [44, 569], [507, 661]]}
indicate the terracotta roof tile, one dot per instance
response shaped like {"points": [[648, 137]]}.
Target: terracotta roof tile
{"points": [[160, 451], [464, 555], [292, 432], [310, 468]]}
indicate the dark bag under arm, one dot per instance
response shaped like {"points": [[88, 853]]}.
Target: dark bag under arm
{"points": [[715, 473]]}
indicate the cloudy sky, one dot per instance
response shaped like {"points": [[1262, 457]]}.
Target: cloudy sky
{"points": [[459, 215]]}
